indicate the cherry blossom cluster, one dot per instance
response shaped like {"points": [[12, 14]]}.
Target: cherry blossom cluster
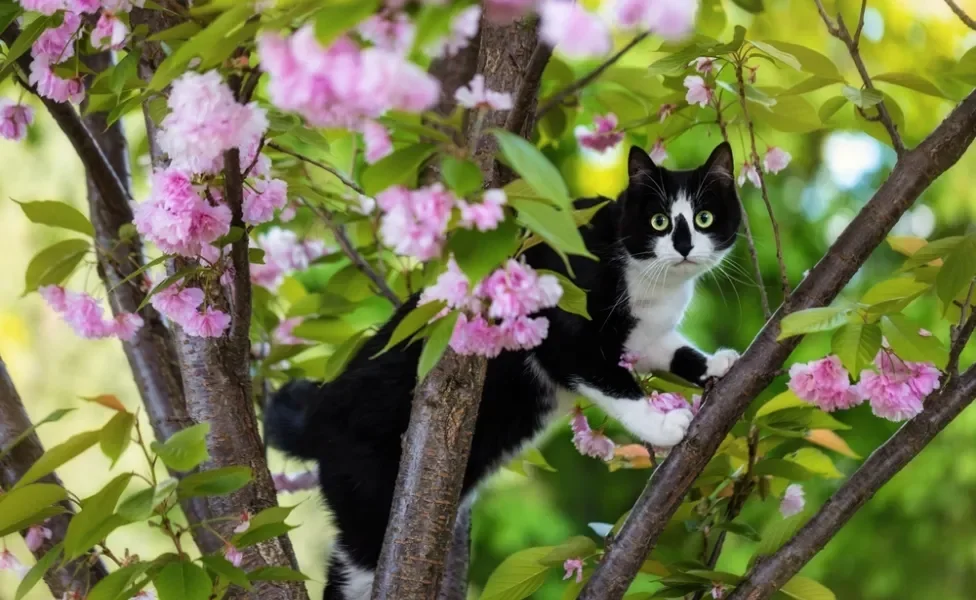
{"points": [[85, 316], [14, 120], [793, 500], [573, 566], [495, 313], [284, 253], [895, 388], [774, 161], [187, 307]]}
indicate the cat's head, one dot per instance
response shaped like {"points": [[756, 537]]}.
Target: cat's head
{"points": [[681, 222]]}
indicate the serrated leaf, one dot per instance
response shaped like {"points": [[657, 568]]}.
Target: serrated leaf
{"points": [[912, 81], [215, 482], [781, 55], [436, 343], [256, 535], [810, 84], [780, 402], [519, 576], [51, 418], [37, 572], [812, 320], [96, 518], [54, 264], [829, 108], [138, 506], [810, 60], [573, 299], [791, 114], [778, 467], [892, 295], [803, 588], [553, 225], [906, 341], [462, 176], [182, 581], [116, 435], [342, 355], [113, 586], [223, 567], [57, 214], [958, 271], [185, 449], [817, 462], [272, 515], [862, 98], [856, 344], [415, 320], [932, 251], [58, 455], [276, 574], [23, 504], [399, 168], [479, 253], [534, 168]]}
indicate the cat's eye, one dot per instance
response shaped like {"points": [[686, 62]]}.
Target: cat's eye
{"points": [[660, 221], [704, 219]]}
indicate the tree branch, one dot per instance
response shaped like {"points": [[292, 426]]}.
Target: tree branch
{"points": [[839, 30], [969, 21], [772, 572], [915, 170], [325, 167], [77, 575], [960, 334]]}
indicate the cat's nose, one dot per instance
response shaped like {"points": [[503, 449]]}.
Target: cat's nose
{"points": [[681, 238]]}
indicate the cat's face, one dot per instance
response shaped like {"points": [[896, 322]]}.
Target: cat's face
{"points": [[681, 223]]}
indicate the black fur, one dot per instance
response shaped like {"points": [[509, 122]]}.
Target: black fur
{"points": [[352, 425]]}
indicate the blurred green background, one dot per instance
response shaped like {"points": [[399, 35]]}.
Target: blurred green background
{"points": [[915, 540]]}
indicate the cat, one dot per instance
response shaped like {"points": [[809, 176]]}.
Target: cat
{"points": [[664, 230]]}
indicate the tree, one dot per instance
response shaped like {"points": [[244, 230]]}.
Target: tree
{"points": [[369, 127]]}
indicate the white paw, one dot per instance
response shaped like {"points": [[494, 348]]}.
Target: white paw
{"points": [[674, 428], [652, 426], [719, 363]]}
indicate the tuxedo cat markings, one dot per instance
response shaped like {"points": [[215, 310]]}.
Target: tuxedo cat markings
{"points": [[665, 229]]}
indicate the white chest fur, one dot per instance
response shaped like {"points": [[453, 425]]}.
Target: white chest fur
{"points": [[658, 306]]}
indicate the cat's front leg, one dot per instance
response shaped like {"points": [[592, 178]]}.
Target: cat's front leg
{"points": [[677, 355], [621, 398]]}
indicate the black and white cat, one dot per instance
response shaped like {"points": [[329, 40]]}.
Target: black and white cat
{"points": [[665, 229]]}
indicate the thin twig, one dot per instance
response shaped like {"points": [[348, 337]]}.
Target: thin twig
{"points": [[961, 333], [345, 244], [522, 104], [784, 279], [582, 82], [345, 180], [839, 30], [860, 22], [969, 21]]}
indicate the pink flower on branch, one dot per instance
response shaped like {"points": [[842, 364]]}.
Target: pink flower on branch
{"points": [[897, 390], [57, 44], [823, 382], [14, 120], [658, 153], [389, 32], [588, 442], [487, 214], [53, 87], [776, 160], [571, 566], [109, 32], [704, 65], [628, 360], [667, 401], [793, 500], [603, 136], [414, 222], [233, 555], [378, 143], [262, 197], [9, 562], [85, 315], [284, 254], [462, 30], [574, 31], [671, 19], [35, 536], [698, 91], [477, 96], [750, 173]]}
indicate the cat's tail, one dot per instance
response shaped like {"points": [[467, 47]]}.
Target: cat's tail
{"points": [[286, 418]]}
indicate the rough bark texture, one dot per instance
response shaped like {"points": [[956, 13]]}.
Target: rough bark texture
{"points": [[76, 575], [445, 407], [730, 397], [772, 572], [455, 584]]}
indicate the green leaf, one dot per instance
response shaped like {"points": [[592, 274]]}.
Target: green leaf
{"points": [[803, 588], [138, 506], [222, 567], [753, 6], [333, 20], [399, 168], [782, 56], [578, 546], [810, 60], [116, 435], [829, 108], [856, 344], [741, 529], [57, 214], [912, 81], [534, 457], [932, 251], [412, 323], [810, 84], [862, 98], [436, 344], [812, 320], [462, 176], [183, 31], [37, 572], [51, 418], [256, 535], [182, 581], [276, 574], [22, 504], [816, 462], [778, 467], [329, 330], [958, 271], [96, 519], [342, 355], [233, 234], [519, 576], [792, 114], [185, 449], [255, 256], [892, 295], [535, 169], [54, 264], [778, 533], [906, 341], [780, 402], [58, 455], [271, 516], [479, 253], [113, 586], [215, 482], [553, 225], [573, 299], [25, 40]]}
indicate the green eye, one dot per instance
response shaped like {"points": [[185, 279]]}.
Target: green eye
{"points": [[660, 222], [704, 219]]}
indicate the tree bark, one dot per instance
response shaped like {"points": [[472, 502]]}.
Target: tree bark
{"points": [[772, 572], [76, 575], [445, 406], [728, 400]]}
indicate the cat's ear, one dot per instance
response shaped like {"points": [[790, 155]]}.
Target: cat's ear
{"points": [[720, 164], [640, 166]]}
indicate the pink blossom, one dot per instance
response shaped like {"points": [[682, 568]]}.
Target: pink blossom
{"points": [[295, 482], [261, 198], [45, 7], [749, 172], [666, 402], [665, 111], [177, 218], [56, 44], [823, 382], [378, 143], [177, 304], [573, 30], [453, 288], [126, 325], [603, 136], [672, 19], [658, 154], [55, 297], [209, 323], [233, 555], [698, 91], [718, 590], [776, 159], [485, 215], [35, 536], [9, 562], [414, 223], [704, 65], [389, 32], [14, 120], [503, 12], [205, 121], [284, 254], [284, 332], [628, 360], [524, 333], [84, 314], [793, 500], [462, 30], [589, 442], [517, 290], [897, 390], [476, 336], [109, 32], [475, 95], [244, 524], [573, 565], [53, 87], [696, 404]]}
